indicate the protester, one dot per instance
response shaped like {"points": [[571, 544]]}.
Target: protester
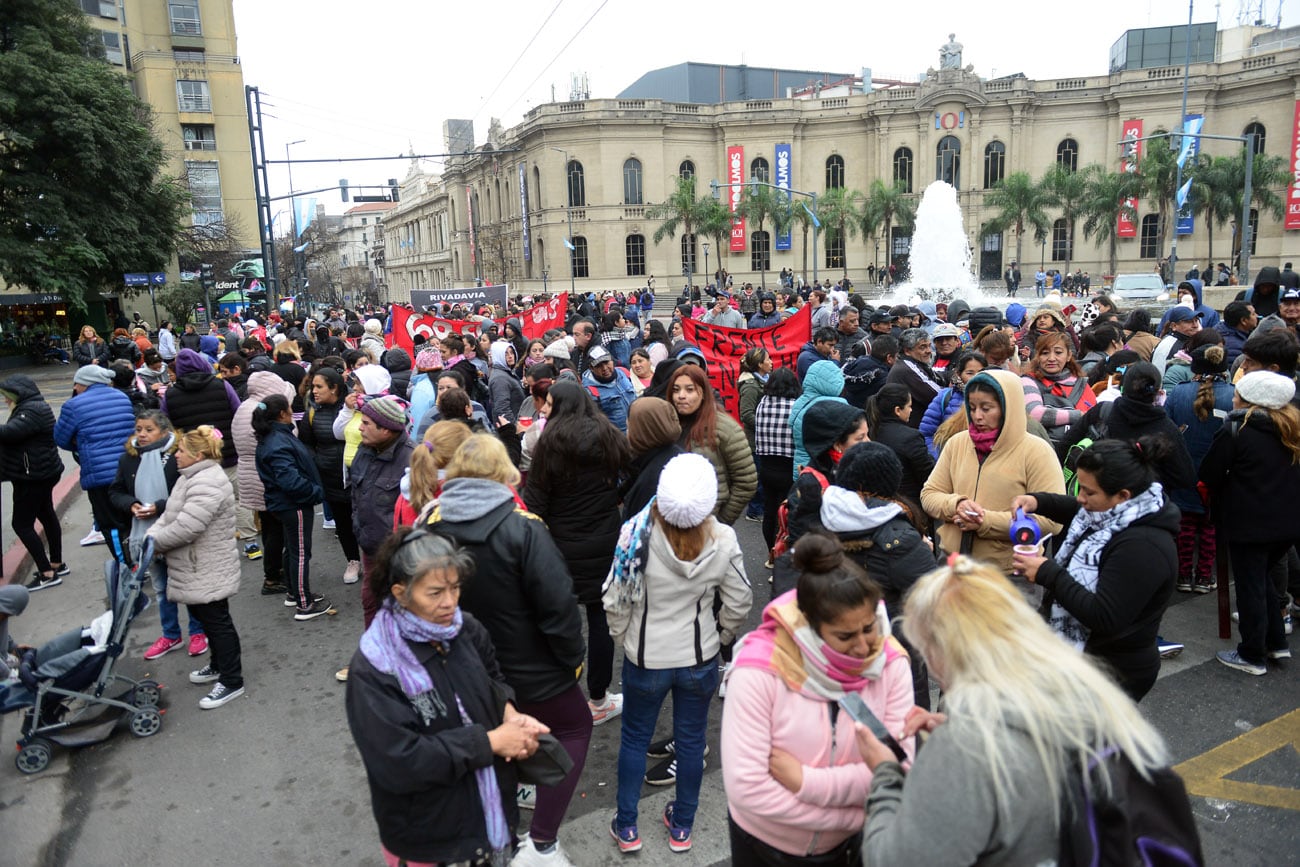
{"points": [[912, 370], [29, 459], [888, 413], [774, 447], [609, 386], [652, 432], [950, 400], [316, 430], [89, 349], [93, 425], [1056, 393], [823, 382], [288, 367], [716, 436], [866, 373]]}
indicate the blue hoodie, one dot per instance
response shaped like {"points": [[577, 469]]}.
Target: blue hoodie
{"points": [[1209, 317], [824, 381]]}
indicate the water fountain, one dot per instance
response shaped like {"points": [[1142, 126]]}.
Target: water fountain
{"points": [[940, 260]]}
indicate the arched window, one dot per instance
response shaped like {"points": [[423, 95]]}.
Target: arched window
{"points": [[497, 185], [834, 172], [1060, 241], [632, 183], [760, 251], [903, 168], [1257, 130], [578, 257], [686, 169], [577, 185], [759, 170], [635, 249], [688, 255], [1067, 154], [947, 161], [537, 189], [1254, 229], [995, 164], [834, 249], [476, 215], [1149, 247]]}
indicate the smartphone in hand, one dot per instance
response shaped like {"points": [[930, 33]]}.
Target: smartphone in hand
{"points": [[857, 709]]}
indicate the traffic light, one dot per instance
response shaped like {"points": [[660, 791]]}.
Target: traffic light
{"points": [[207, 278], [392, 186], [343, 188]]}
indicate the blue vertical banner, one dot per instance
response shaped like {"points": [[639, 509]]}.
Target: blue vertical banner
{"points": [[783, 160], [1191, 147], [523, 213]]}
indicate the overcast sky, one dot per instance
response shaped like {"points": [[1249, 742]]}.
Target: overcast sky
{"points": [[379, 77]]}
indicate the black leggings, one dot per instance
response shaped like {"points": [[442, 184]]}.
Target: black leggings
{"points": [[342, 511], [37, 501], [774, 473], [600, 652]]}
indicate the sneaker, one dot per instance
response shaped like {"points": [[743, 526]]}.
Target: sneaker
{"points": [[626, 836], [1232, 659], [61, 570], [291, 599], [526, 796], [665, 773], [758, 519], [1236, 617], [529, 856], [328, 525], [342, 674], [1287, 623], [221, 694], [162, 647], [722, 679], [1184, 585], [1284, 653], [664, 749], [206, 674], [94, 537], [273, 588], [679, 838], [1168, 649], [352, 574], [253, 551], [611, 707], [198, 644], [1209, 585], [40, 582], [318, 607]]}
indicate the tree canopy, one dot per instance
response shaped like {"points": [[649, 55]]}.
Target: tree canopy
{"points": [[83, 197]]}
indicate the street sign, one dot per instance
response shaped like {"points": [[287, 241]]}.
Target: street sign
{"points": [[136, 279], [158, 278]]}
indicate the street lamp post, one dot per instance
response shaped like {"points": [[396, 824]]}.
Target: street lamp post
{"points": [[293, 217], [568, 210], [706, 267], [717, 187]]}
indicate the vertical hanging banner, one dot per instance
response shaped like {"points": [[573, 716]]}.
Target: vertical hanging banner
{"points": [[1191, 148], [1292, 219], [736, 177], [469, 211], [783, 181], [525, 236], [1127, 226]]}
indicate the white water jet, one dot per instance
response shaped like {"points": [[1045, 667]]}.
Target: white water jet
{"points": [[940, 258]]}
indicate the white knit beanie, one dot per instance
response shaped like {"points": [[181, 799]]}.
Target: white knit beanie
{"points": [[688, 490], [1266, 388], [374, 326]]}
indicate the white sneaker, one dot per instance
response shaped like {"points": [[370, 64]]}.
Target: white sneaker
{"points": [[352, 574], [94, 537], [327, 525], [528, 856], [526, 796], [606, 710]]}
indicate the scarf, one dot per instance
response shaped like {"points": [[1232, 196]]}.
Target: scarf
{"points": [[150, 486], [786, 645], [385, 645], [627, 572], [1080, 553], [983, 440]]}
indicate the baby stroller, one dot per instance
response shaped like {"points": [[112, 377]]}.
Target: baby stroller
{"points": [[67, 690]]}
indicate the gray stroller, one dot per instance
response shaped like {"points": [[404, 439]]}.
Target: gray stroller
{"points": [[67, 690]]}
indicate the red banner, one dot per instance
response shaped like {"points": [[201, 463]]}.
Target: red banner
{"points": [[536, 321], [736, 178], [1292, 220], [724, 347], [1127, 226]]}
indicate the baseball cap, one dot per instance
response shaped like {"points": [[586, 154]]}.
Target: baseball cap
{"points": [[1290, 294], [1183, 314], [879, 318], [598, 355], [945, 330]]}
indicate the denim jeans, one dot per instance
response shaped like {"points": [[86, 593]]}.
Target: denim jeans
{"points": [[644, 691], [169, 611]]}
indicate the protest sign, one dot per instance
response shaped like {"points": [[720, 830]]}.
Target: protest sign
{"points": [[724, 347]]}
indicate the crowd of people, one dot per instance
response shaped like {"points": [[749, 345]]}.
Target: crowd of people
{"points": [[489, 488]]}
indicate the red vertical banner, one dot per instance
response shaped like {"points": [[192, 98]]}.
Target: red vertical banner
{"points": [[736, 178], [1292, 220], [1127, 226]]}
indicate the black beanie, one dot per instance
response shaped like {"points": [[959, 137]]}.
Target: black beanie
{"points": [[870, 467], [827, 422], [1209, 360]]}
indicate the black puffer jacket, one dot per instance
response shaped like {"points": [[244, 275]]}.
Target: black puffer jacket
{"points": [[375, 482], [421, 772], [198, 398], [908, 443], [398, 365], [1130, 420], [27, 449], [1253, 482], [580, 509], [521, 589], [125, 349], [316, 431], [293, 373], [84, 353]]}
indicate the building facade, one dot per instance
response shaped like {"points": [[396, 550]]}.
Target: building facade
{"points": [[582, 173]]}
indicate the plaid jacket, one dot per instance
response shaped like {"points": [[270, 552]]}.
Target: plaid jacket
{"points": [[772, 432]]}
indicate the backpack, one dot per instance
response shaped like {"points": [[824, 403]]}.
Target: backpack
{"points": [[1096, 431], [1137, 822]]}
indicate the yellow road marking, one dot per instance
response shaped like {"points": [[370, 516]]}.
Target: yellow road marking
{"points": [[1205, 775]]}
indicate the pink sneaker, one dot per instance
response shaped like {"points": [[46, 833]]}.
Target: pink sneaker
{"points": [[198, 644], [161, 647]]}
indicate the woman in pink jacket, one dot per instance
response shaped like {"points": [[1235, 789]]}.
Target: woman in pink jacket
{"points": [[796, 784]]}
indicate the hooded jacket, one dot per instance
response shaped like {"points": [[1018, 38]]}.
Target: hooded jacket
{"points": [[507, 394], [824, 381], [1209, 316], [1019, 463], [1265, 303], [197, 535], [1130, 420], [1249, 473], [95, 426], [28, 452], [123, 347], [521, 590], [261, 385], [878, 537], [398, 365], [200, 397]]}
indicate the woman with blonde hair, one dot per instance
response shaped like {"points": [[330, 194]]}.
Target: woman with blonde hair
{"points": [[428, 465], [89, 349], [1023, 711]]}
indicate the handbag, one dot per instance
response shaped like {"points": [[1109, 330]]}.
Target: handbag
{"points": [[548, 766]]}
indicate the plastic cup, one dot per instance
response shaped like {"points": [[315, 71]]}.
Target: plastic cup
{"points": [[1027, 551]]}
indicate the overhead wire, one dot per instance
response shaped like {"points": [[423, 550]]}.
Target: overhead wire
{"points": [[557, 56], [517, 59]]}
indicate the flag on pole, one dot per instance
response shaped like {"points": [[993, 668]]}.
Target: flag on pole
{"points": [[816, 222], [304, 213], [569, 244], [1192, 126], [1183, 193]]}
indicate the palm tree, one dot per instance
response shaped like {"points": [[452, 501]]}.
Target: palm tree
{"points": [[1065, 190], [681, 211], [1269, 174], [838, 211], [1104, 201], [1018, 202], [759, 205], [1212, 179], [803, 218], [887, 205], [716, 224]]}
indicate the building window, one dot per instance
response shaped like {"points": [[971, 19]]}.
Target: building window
{"points": [[1067, 154], [192, 95], [995, 164], [635, 248], [113, 47], [759, 170], [688, 254], [199, 136], [632, 183], [760, 251], [1254, 229], [578, 257], [1150, 244], [185, 17], [363, 222], [102, 8], [537, 189], [947, 161], [834, 250], [686, 169], [903, 169], [577, 185], [1060, 242], [205, 192], [1257, 130], [188, 55], [834, 172]]}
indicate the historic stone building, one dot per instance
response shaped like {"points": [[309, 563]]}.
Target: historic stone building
{"points": [[503, 214]]}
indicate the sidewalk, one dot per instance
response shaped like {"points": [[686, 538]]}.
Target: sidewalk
{"points": [[16, 559]]}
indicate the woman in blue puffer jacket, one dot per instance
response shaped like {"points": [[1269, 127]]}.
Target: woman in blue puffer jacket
{"points": [[952, 398]]}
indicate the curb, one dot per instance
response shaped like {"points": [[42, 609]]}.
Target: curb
{"points": [[16, 558]]}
